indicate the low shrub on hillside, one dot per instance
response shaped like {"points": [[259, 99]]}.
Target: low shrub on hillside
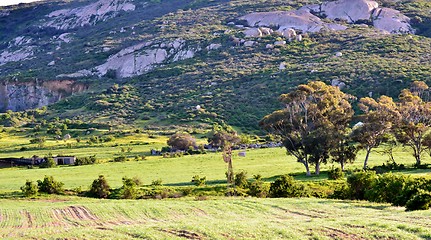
{"points": [[29, 189], [240, 179], [360, 183], [157, 182], [420, 201], [286, 186], [100, 188], [121, 158], [50, 186], [48, 163], [335, 173], [389, 188], [199, 181], [85, 160], [399, 190], [129, 189], [258, 188]]}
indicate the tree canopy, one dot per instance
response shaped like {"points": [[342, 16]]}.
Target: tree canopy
{"points": [[312, 123]]}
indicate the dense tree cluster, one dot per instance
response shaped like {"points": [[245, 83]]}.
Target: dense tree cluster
{"points": [[315, 123]]}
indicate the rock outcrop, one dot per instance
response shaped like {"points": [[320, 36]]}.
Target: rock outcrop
{"points": [[19, 49], [298, 19], [101, 10], [348, 10], [309, 18], [391, 21], [28, 95], [139, 59], [16, 56]]}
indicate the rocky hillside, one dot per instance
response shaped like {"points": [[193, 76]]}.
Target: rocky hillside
{"points": [[156, 62]]}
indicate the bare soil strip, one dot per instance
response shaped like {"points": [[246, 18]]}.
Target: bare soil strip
{"points": [[183, 233], [28, 221], [338, 234]]}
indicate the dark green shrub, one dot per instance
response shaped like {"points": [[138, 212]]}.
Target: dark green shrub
{"points": [[121, 158], [100, 188], [48, 163], [413, 187], [129, 189], [388, 188], [359, 183], [85, 160], [29, 189], [50, 186], [198, 181], [335, 173], [286, 186], [341, 191], [258, 188], [187, 191], [241, 179], [236, 191], [157, 182], [420, 201]]}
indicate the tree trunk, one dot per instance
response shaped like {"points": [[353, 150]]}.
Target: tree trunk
{"points": [[342, 165], [317, 168], [230, 177], [418, 160], [417, 154], [366, 157], [307, 168]]}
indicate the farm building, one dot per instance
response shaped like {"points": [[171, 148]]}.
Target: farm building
{"points": [[65, 160]]}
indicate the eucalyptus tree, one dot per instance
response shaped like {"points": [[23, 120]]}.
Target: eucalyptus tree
{"points": [[414, 107], [376, 123], [312, 123]]}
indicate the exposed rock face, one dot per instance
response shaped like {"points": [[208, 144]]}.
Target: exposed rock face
{"points": [[88, 15], [349, 10], [140, 58], [214, 46], [27, 95], [253, 32], [65, 37], [308, 18], [298, 19], [18, 49], [16, 56], [391, 21]]}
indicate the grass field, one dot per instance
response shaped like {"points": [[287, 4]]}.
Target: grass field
{"points": [[71, 217], [220, 218], [172, 171], [178, 171]]}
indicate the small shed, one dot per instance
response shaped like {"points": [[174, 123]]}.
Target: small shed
{"points": [[65, 160]]}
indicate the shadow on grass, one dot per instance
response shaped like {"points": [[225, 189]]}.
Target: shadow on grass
{"points": [[300, 176], [180, 184], [11, 195]]}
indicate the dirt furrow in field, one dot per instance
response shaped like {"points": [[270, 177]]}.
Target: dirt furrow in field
{"points": [[82, 213], [183, 234], [339, 234], [28, 221]]}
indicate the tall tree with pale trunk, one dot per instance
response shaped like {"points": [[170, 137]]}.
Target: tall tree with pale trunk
{"points": [[312, 123]]}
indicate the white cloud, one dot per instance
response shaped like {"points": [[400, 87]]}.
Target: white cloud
{"points": [[14, 2]]}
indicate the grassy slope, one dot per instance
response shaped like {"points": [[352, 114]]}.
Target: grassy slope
{"points": [[247, 79], [220, 218]]}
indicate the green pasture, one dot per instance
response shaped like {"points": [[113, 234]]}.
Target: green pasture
{"points": [[218, 218], [71, 217], [269, 163]]}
